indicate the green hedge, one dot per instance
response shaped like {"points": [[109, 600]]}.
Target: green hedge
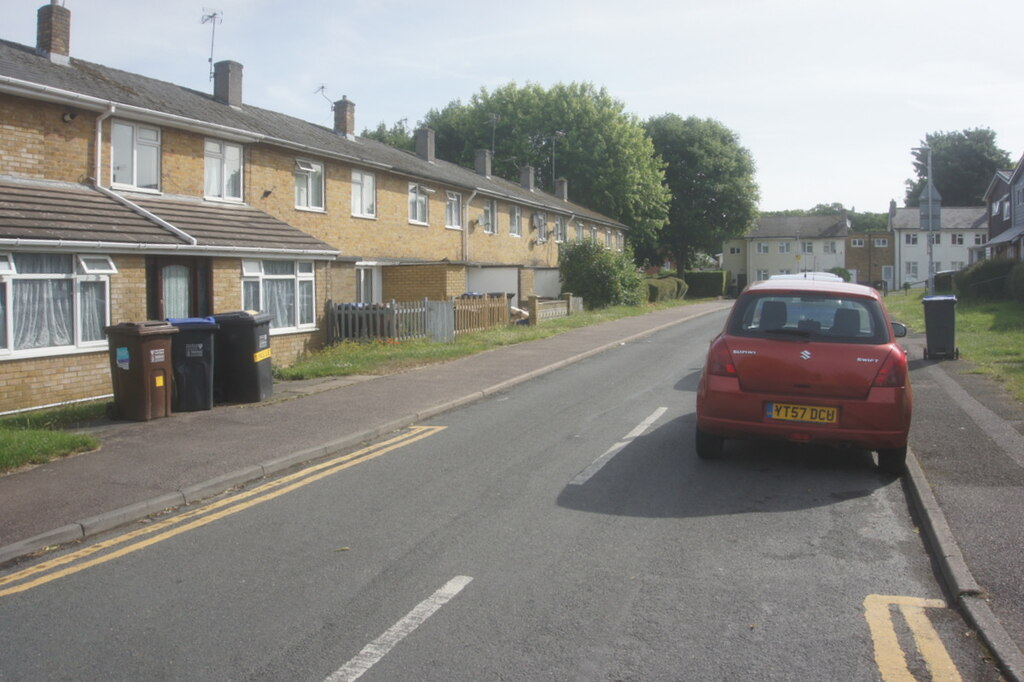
{"points": [[665, 289], [989, 279], [1015, 283], [944, 282], [708, 283]]}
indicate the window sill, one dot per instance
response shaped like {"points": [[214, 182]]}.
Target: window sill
{"points": [[453, 227], [365, 216], [286, 331], [310, 209], [99, 347], [222, 200], [133, 188], [418, 223]]}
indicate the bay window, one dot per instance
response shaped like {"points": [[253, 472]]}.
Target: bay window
{"points": [[53, 302], [284, 289]]}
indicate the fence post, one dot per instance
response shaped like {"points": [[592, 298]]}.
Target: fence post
{"points": [[567, 297], [533, 307]]}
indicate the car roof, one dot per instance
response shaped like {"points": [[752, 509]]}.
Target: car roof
{"points": [[821, 276], [812, 285]]}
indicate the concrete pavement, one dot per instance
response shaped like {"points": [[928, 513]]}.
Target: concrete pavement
{"points": [[970, 507]]}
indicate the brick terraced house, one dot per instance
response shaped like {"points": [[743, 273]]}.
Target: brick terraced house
{"points": [[125, 198]]}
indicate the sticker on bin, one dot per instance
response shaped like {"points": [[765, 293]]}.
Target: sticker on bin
{"points": [[263, 341], [193, 350], [261, 356], [159, 380], [156, 355], [123, 359]]}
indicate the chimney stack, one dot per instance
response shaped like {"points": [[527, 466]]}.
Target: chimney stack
{"points": [[227, 83], [526, 177], [562, 189], [53, 32], [345, 117], [483, 162], [425, 144]]}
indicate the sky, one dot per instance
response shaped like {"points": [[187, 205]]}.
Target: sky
{"points": [[829, 97]]}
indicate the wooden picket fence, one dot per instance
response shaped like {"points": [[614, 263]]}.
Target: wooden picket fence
{"points": [[403, 320]]}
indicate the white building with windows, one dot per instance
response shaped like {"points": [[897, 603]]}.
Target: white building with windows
{"points": [[783, 245], [958, 231]]}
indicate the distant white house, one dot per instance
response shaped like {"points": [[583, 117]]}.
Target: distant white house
{"points": [[956, 234], [785, 245]]}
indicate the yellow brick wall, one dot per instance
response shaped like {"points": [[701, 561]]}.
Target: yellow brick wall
{"points": [[45, 381], [36, 143]]}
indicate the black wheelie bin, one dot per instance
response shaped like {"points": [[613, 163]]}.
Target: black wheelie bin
{"points": [[192, 359], [940, 327], [242, 370]]}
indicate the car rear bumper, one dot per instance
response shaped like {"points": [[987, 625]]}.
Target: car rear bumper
{"points": [[880, 421]]}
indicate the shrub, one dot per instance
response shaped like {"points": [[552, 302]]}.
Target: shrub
{"points": [[987, 280], [944, 282], [707, 283], [842, 272], [665, 289], [1015, 283], [602, 277]]}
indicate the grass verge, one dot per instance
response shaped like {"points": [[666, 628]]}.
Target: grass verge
{"points": [[38, 437], [990, 334]]}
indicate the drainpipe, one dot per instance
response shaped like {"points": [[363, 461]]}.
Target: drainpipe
{"points": [[465, 228], [99, 141]]}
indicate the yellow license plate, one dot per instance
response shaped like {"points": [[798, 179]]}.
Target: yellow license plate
{"points": [[802, 413]]}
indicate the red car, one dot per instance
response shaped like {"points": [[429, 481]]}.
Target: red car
{"points": [[808, 361]]}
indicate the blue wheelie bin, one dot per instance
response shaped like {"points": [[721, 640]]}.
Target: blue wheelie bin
{"points": [[192, 360]]}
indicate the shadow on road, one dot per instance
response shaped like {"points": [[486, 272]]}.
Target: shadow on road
{"points": [[659, 475]]}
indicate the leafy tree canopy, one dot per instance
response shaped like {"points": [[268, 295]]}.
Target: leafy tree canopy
{"points": [[575, 131], [963, 163], [398, 135], [711, 177], [859, 222]]}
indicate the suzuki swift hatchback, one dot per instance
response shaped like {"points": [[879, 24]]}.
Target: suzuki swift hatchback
{"points": [[807, 361]]}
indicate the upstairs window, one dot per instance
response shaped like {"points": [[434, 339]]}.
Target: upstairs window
{"points": [[515, 221], [417, 204], [881, 242], [784, 247], [762, 248], [364, 194], [135, 156], [560, 228], [490, 216], [808, 247], [957, 239], [829, 247], [453, 210], [540, 223], [857, 243], [910, 239], [223, 170], [309, 185]]}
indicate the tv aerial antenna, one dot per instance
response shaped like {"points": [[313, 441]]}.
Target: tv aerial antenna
{"points": [[212, 17]]}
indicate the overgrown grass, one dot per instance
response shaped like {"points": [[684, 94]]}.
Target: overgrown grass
{"points": [[383, 357], [38, 437], [988, 333]]}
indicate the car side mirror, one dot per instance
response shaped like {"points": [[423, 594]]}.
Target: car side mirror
{"points": [[899, 329]]}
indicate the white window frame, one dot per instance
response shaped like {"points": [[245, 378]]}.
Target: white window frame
{"points": [[140, 143], [762, 275], [369, 282], [910, 239], [957, 239], [857, 243], [763, 249], [807, 247], [540, 224], [829, 248], [364, 194], [980, 238], [785, 247], [910, 270], [453, 211], [220, 156], [936, 238], [307, 187], [303, 274], [419, 204], [489, 219], [881, 242], [85, 268], [515, 221], [735, 250], [560, 229]]}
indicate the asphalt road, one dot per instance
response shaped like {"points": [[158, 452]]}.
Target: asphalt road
{"points": [[562, 530]]}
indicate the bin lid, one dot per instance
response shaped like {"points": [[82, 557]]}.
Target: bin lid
{"points": [[141, 328], [193, 322], [938, 299], [241, 317]]}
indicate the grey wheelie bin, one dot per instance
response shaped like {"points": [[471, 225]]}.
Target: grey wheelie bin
{"points": [[940, 327], [242, 371], [192, 362], [140, 369]]}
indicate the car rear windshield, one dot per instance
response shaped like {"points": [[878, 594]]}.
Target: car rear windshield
{"points": [[820, 317]]}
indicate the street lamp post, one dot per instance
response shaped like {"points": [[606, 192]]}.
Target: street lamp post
{"points": [[931, 224]]}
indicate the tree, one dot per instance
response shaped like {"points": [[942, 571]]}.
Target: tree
{"points": [[601, 276], [963, 163], [575, 131], [859, 222], [711, 177], [398, 135]]}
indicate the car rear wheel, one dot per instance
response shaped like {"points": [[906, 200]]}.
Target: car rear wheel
{"points": [[892, 460], [709, 446]]}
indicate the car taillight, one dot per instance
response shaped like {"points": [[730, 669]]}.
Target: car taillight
{"points": [[720, 360], [893, 373]]}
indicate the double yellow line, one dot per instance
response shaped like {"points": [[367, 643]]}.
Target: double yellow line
{"points": [[108, 550]]}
